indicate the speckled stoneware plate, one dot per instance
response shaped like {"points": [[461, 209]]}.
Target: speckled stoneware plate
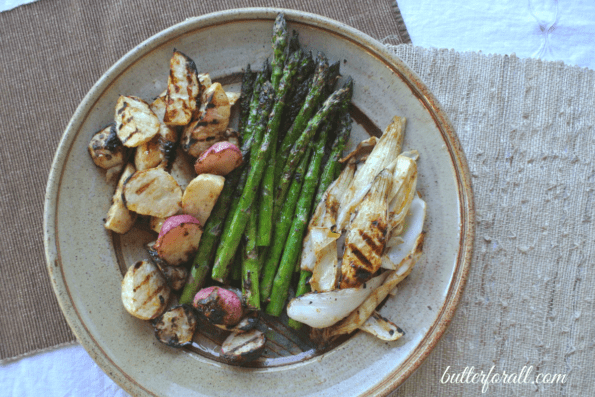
{"points": [[86, 262]]}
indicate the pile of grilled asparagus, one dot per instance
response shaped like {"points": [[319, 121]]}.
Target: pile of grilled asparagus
{"points": [[294, 127]]}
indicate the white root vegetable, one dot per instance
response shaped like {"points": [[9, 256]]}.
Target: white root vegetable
{"points": [[242, 347], [382, 328], [390, 142], [397, 251], [106, 150], [183, 90], [323, 309], [153, 192], [233, 97], [201, 196], [135, 121], [119, 219], [182, 169], [178, 239], [144, 291], [361, 152], [219, 159], [209, 123], [402, 193], [366, 237]]}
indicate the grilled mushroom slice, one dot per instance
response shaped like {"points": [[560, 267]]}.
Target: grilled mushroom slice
{"points": [[135, 121], [242, 347], [119, 219], [183, 90], [144, 291], [106, 150], [176, 326]]}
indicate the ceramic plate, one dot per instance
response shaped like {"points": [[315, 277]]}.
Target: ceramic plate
{"points": [[85, 261]]}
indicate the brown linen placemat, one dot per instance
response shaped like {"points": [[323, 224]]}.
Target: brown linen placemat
{"points": [[51, 53]]}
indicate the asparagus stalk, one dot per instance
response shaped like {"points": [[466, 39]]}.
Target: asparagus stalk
{"points": [[210, 237], [252, 120], [293, 245], [250, 267], [230, 238], [265, 213], [279, 45], [245, 98], [299, 148], [334, 75], [310, 104], [302, 288], [282, 229]]}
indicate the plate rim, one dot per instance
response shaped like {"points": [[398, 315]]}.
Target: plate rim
{"points": [[375, 48]]}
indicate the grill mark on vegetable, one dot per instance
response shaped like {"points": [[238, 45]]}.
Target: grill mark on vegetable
{"points": [[360, 256], [122, 108], [145, 280], [156, 292], [369, 240], [144, 187]]}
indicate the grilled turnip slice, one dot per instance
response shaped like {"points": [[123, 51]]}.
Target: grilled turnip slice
{"points": [[219, 305], [204, 79], [201, 195], [183, 90], [359, 316], [397, 250], [175, 275], [232, 97], [135, 121], [219, 159], [155, 223], [106, 150], [206, 127], [323, 309], [182, 169], [153, 192], [176, 326], [366, 237], [178, 239], [382, 155], [382, 328], [119, 219], [159, 151], [144, 291], [242, 347]]}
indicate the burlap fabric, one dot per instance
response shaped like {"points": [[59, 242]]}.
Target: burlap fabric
{"points": [[51, 53]]}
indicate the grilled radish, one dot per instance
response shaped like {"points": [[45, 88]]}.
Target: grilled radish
{"points": [[201, 195], [176, 326], [119, 219], [106, 150], [153, 192], [183, 90], [144, 291], [135, 121], [219, 306], [178, 239], [210, 122], [243, 346], [366, 236]]}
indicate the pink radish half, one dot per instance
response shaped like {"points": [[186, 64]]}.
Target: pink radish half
{"points": [[219, 305], [219, 159], [178, 239]]}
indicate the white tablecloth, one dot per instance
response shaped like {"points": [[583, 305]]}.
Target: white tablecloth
{"points": [[547, 29]]}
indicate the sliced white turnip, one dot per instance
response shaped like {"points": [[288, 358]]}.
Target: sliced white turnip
{"points": [[242, 347], [153, 192], [323, 309], [176, 326], [182, 168], [219, 159], [183, 90], [135, 121], [119, 219], [178, 239], [382, 328], [201, 195], [144, 291], [106, 150], [219, 305]]}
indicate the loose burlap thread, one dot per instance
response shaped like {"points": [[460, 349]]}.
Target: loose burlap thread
{"points": [[526, 127]]}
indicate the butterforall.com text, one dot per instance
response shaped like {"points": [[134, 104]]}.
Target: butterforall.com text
{"points": [[526, 376]]}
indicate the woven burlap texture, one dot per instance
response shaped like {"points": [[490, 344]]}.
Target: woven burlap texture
{"points": [[527, 130]]}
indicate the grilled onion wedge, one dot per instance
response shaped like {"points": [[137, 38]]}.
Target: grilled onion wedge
{"points": [[144, 291]]}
